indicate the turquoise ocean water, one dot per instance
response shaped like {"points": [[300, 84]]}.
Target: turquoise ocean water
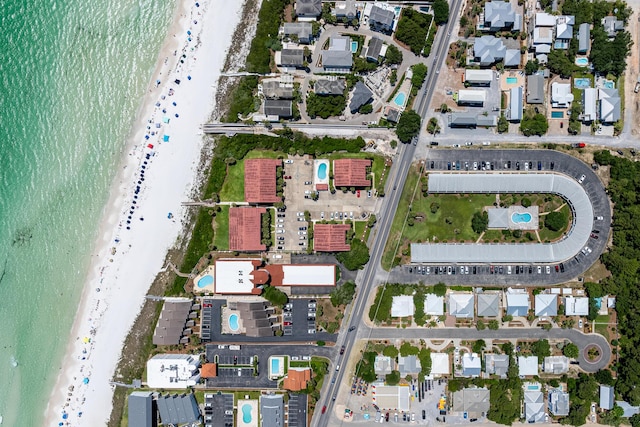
{"points": [[72, 77]]}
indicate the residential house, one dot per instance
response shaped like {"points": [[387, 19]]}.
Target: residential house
{"points": [[461, 305], [433, 305], [361, 96], [382, 365], [179, 409], [533, 403], [542, 35], [440, 364], [561, 95], [338, 59], [487, 50], [609, 105], [273, 89], [546, 305], [489, 304], [557, 365], [290, 58], [527, 366], [517, 303], [374, 50], [471, 120], [564, 31], [141, 411], [558, 402], [612, 25], [472, 97], [607, 395], [589, 104], [281, 108], [308, 9], [496, 364], [471, 365], [500, 16], [381, 19], [409, 365], [628, 411], [300, 31], [392, 114], [330, 86], [576, 306], [515, 104], [535, 89], [473, 401], [272, 410], [584, 37], [346, 9], [478, 77]]}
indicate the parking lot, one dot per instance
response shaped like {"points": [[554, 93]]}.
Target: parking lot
{"points": [[299, 318], [516, 161], [217, 406], [297, 410]]}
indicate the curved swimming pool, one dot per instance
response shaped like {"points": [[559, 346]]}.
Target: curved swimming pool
{"points": [[582, 62], [205, 281], [400, 99], [246, 413], [233, 322], [322, 171], [520, 218]]}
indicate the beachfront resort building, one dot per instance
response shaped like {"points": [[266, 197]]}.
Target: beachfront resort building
{"points": [[245, 224], [141, 412], [260, 176], [173, 371], [331, 237], [351, 173], [173, 326], [179, 410]]}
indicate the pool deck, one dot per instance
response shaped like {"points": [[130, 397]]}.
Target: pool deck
{"points": [[317, 181], [254, 413], [531, 225], [280, 373], [210, 270], [518, 75]]}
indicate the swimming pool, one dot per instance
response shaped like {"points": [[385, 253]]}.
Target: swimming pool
{"points": [[233, 322], [322, 171], [582, 62], [557, 114], [581, 83], [608, 84], [275, 366], [400, 99], [354, 46], [512, 80], [520, 218], [205, 281], [246, 413], [533, 387]]}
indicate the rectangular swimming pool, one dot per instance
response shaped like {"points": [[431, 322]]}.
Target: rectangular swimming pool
{"points": [[354, 46], [512, 80], [557, 114]]}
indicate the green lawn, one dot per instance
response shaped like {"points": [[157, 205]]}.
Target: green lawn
{"points": [[233, 187], [377, 167], [221, 229], [360, 227], [548, 235], [299, 364], [602, 323]]}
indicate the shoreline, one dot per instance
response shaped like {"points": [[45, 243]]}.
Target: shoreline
{"points": [[125, 261]]}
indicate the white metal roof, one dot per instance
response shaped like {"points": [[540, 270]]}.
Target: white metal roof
{"points": [[440, 364], [576, 306], [309, 275], [434, 305], [549, 183], [472, 95], [527, 365], [478, 75], [402, 306], [234, 276]]}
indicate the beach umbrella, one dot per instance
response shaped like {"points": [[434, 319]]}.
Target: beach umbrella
{"points": [[86, 340], [165, 138], [85, 380], [177, 115], [65, 416], [188, 33], [165, 119], [174, 104], [146, 137], [188, 77]]}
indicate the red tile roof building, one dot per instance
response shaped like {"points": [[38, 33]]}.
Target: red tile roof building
{"points": [[260, 180], [209, 370], [351, 173], [244, 229], [331, 237], [297, 378]]}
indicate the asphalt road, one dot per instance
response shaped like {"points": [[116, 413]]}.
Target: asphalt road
{"points": [[395, 183], [573, 335], [564, 164]]}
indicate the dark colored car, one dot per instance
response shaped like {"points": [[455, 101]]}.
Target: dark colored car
{"points": [[353, 328], [342, 350]]}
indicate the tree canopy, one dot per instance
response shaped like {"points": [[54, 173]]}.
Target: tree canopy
{"points": [[343, 295], [325, 106], [534, 125], [408, 126], [609, 56], [412, 29], [440, 11], [555, 221], [559, 63], [480, 222], [357, 257], [571, 350], [393, 55]]}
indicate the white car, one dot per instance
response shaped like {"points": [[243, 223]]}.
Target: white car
{"points": [[581, 179], [311, 331], [280, 230], [548, 269], [580, 324], [288, 161], [486, 143], [509, 269], [475, 166], [321, 215], [280, 225], [539, 269], [300, 213]]}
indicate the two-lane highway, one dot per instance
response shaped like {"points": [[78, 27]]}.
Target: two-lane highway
{"points": [[366, 279]]}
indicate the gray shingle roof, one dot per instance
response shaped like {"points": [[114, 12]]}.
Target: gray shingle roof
{"points": [[499, 15], [361, 95], [300, 29], [336, 59], [609, 105], [488, 305], [584, 35], [535, 89], [474, 401], [558, 402], [381, 17], [272, 410], [463, 120], [292, 57], [373, 51], [329, 86], [497, 364], [515, 104], [141, 409], [534, 406], [273, 90], [309, 8], [488, 50], [278, 107], [178, 409]]}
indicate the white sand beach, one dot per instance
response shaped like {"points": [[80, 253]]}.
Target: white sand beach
{"points": [[137, 230]]}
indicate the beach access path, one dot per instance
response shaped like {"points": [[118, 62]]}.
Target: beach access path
{"points": [[158, 172]]}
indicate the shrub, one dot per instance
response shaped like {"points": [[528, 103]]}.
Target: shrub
{"points": [[555, 221]]}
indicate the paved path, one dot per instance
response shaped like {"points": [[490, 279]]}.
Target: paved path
{"points": [[573, 335]]}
